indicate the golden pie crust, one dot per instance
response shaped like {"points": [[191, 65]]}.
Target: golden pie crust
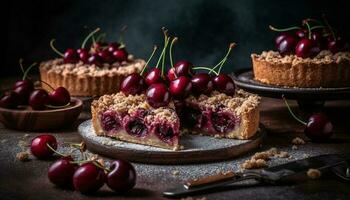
{"points": [[324, 70], [88, 80]]}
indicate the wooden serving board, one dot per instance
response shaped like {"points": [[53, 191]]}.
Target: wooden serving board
{"points": [[197, 149]]}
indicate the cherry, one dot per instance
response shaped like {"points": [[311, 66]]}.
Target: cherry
{"points": [[165, 132], [120, 55], [113, 47], [38, 99], [158, 95], [109, 121], [83, 55], [98, 46], [95, 59], [61, 172], [180, 87], [59, 97], [171, 74], [106, 56], [224, 83], [25, 82], [317, 37], [202, 84], [287, 45], [136, 127], [10, 100], [307, 48], [222, 122], [23, 92], [183, 68], [337, 45], [133, 84], [154, 76], [122, 176], [39, 146], [301, 33], [281, 37], [88, 178], [70, 56], [318, 128]]}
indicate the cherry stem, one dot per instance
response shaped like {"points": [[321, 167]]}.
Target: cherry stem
{"points": [[100, 37], [222, 62], [27, 71], [205, 68], [122, 31], [308, 28], [47, 84], [313, 20], [21, 65], [291, 112], [165, 44], [163, 59], [284, 29], [89, 36], [329, 27], [171, 50], [52, 149], [97, 164], [316, 27], [149, 59], [54, 49]]}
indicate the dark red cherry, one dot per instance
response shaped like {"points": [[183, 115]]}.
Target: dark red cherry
{"points": [[158, 95], [183, 68], [281, 37], [222, 122], [301, 33], [59, 97], [318, 37], [23, 92], [171, 74], [180, 87], [121, 177], [287, 45], [153, 76], [61, 172], [120, 55], [83, 55], [106, 56], [318, 128], [202, 84], [136, 127], [98, 46], [307, 48], [88, 178], [113, 47], [10, 100], [23, 82], [133, 84], [38, 99], [224, 83], [338, 45], [70, 56], [95, 59], [39, 146]]}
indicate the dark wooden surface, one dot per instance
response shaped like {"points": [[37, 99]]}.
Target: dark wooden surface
{"points": [[28, 180]]}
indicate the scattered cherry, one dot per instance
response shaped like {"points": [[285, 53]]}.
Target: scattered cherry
{"points": [[38, 99], [59, 97], [39, 146], [307, 48], [202, 84], [88, 178], [10, 100], [180, 87], [183, 68], [121, 177], [158, 95], [153, 76], [133, 84], [61, 172], [224, 83], [318, 128], [70, 56]]}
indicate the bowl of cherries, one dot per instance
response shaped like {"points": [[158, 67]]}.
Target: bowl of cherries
{"points": [[31, 108]]}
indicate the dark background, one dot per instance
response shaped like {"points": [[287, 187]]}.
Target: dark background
{"points": [[204, 27]]}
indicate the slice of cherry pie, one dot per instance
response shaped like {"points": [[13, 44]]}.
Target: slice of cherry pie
{"points": [[130, 118]]}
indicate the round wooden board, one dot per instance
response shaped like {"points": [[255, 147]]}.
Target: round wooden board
{"points": [[197, 149]]}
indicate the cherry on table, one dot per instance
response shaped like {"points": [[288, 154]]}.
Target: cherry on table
{"points": [[180, 87], [38, 99], [307, 48], [183, 68], [133, 84], [318, 128], [224, 83], [61, 172], [287, 45], [202, 84], [39, 146], [59, 97], [88, 178], [153, 76], [70, 56], [122, 176], [10, 100], [158, 95], [120, 55]]}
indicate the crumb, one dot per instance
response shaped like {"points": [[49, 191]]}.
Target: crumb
{"points": [[314, 173], [306, 155], [261, 155], [254, 164], [283, 154], [182, 147], [23, 156], [4, 141], [294, 147], [217, 136], [175, 172], [273, 151], [26, 135], [22, 144], [298, 141], [218, 171]]}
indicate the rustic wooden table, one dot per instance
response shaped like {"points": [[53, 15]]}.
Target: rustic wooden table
{"points": [[28, 180]]}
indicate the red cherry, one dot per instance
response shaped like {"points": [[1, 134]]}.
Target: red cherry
{"points": [[88, 178], [122, 176], [183, 68], [83, 55], [39, 146], [171, 74], [113, 47], [23, 82], [59, 97], [133, 84], [23, 88], [301, 33], [158, 95], [70, 56], [202, 84], [338, 45], [307, 48], [153, 76], [10, 100], [106, 56], [180, 87], [224, 83], [95, 59], [281, 37], [287, 45], [120, 55], [318, 128], [61, 172], [98, 46], [38, 99]]}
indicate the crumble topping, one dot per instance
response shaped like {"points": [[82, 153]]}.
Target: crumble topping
{"points": [[314, 173], [259, 159], [81, 69], [23, 156], [324, 57], [298, 141]]}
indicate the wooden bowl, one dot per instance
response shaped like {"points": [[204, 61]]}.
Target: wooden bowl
{"points": [[34, 120]]}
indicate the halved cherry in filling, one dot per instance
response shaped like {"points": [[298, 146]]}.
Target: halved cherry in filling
{"points": [[109, 121], [136, 127], [165, 132], [192, 117], [222, 122]]}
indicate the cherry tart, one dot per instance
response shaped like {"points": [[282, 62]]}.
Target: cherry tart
{"points": [[130, 118]]}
